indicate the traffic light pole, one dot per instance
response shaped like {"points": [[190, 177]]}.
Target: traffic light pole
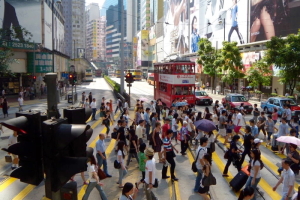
{"points": [[122, 48], [52, 110], [72, 96]]}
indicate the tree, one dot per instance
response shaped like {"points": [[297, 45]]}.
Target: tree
{"points": [[207, 57], [230, 62], [6, 54], [284, 53], [259, 74]]}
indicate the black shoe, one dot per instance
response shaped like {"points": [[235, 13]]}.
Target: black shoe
{"points": [[183, 154], [175, 179], [108, 175], [166, 177], [12, 168]]}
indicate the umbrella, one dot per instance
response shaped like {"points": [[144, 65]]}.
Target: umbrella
{"points": [[289, 139], [205, 125], [181, 104], [143, 99]]}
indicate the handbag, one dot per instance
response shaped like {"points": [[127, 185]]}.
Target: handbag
{"points": [[8, 158], [101, 174], [179, 136], [155, 183], [212, 147], [194, 166], [117, 165], [209, 180]]}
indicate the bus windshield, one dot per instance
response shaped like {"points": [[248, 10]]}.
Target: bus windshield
{"points": [[201, 93]]}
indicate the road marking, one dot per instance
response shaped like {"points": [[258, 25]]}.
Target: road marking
{"points": [[7, 183], [24, 192]]}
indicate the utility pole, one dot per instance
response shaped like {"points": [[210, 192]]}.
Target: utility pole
{"points": [[122, 48], [52, 111]]}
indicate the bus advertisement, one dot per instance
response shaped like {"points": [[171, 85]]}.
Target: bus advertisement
{"points": [[137, 73]]}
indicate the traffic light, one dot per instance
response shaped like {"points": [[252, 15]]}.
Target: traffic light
{"points": [[77, 115], [71, 79], [29, 146], [129, 78], [75, 78], [64, 152], [34, 78]]}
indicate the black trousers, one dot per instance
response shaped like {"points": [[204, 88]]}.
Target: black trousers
{"points": [[229, 161], [246, 152], [170, 159], [184, 146]]}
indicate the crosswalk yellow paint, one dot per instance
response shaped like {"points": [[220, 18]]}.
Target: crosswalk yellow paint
{"points": [[24, 192]]}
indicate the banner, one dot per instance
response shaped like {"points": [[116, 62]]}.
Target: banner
{"points": [[41, 61], [144, 45]]}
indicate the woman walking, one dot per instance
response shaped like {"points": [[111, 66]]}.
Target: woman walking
{"points": [[157, 140], [133, 147], [270, 126], [275, 116], [153, 119], [203, 190], [5, 107], [255, 166], [233, 155], [142, 163], [128, 192], [120, 158], [106, 122], [211, 139], [247, 193], [94, 180]]}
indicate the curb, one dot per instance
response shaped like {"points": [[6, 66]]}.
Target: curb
{"points": [[211, 191]]}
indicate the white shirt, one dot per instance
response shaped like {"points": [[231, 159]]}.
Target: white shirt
{"points": [[238, 117], [2, 9], [215, 119], [257, 163], [152, 108], [139, 131], [93, 104], [210, 138], [201, 154], [150, 167], [126, 105], [120, 154], [174, 125], [288, 180], [12, 140], [92, 169], [20, 100], [189, 126]]}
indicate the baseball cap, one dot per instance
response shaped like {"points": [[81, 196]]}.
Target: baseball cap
{"points": [[257, 140]]}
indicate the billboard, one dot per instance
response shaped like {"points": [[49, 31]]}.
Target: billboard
{"points": [[42, 62], [48, 26], [22, 13], [176, 27], [144, 45], [59, 35], [273, 18], [138, 50], [81, 53], [194, 28], [223, 20]]}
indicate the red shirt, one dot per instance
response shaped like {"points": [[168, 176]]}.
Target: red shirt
{"points": [[165, 128]]}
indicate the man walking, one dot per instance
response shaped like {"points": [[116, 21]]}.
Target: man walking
{"points": [[101, 157], [165, 127], [248, 139], [184, 138], [200, 152], [140, 129], [119, 106], [150, 171], [20, 100], [93, 106], [238, 121], [169, 156], [287, 179]]}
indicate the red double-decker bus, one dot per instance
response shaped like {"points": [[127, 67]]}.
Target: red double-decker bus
{"points": [[174, 80]]}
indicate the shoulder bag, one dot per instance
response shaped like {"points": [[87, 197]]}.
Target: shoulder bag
{"points": [[209, 180], [117, 165], [194, 167], [101, 174]]}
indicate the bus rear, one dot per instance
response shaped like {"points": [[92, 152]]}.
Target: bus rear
{"points": [[88, 75], [137, 73]]}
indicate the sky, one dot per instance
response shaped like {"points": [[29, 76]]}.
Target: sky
{"points": [[100, 2]]}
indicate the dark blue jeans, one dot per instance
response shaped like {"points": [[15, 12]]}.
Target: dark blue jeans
{"points": [[102, 161], [93, 113]]}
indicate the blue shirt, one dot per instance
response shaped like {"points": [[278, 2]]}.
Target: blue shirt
{"points": [[147, 118], [283, 130], [254, 130], [194, 45], [234, 12], [100, 146]]}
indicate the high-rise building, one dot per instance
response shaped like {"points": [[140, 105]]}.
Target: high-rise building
{"points": [[113, 33], [74, 13], [95, 33], [145, 14]]}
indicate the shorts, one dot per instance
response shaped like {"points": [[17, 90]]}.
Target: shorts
{"points": [[281, 144], [14, 156], [237, 129], [222, 131]]}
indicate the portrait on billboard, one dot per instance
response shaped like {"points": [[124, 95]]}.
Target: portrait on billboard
{"points": [[8, 19], [16, 14], [270, 18], [176, 26], [194, 28], [80, 53], [223, 20]]}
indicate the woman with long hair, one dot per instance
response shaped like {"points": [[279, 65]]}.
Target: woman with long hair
{"points": [[94, 180], [275, 116], [199, 133], [247, 193], [128, 192], [157, 140], [120, 158], [203, 190], [255, 166], [153, 119], [133, 146], [211, 139]]}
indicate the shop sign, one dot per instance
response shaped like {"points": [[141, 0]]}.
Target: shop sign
{"points": [[17, 44], [42, 62]]}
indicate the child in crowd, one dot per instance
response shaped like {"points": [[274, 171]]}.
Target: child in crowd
{"points": [[229, 129]]}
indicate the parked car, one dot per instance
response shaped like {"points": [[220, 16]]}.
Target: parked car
{"points": [[279, 102], [202, 98], [235, 101]]}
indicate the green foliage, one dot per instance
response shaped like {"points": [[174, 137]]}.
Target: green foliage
{"points": [[259, 73], [284, 53], [291, 97], [6, 54], [274, 94], [258, 92], [116, 86]]}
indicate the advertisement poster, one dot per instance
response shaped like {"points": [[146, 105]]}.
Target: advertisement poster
{"points": [[273, 18], [138, 50], [21, 13], [80, 53], [176, 27], [194, 28], [59, 35], [144, 45], [223, 20], [48, 26]]}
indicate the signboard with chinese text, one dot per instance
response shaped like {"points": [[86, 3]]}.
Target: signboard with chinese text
{"points": [[42, 62]]}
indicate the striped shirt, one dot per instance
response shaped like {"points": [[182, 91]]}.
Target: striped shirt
{"points": [[167, 144]]}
